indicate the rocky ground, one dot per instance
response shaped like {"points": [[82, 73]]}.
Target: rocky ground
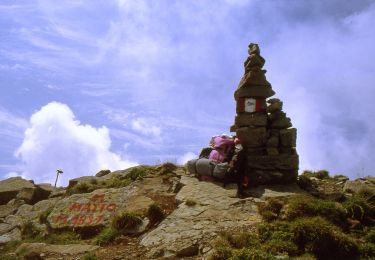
{"points": [[42, 222]]}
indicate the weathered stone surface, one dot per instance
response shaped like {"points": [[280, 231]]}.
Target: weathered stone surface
{"points": [[255, 119], [103, 173], [83, 179], [60, 250], [272, 151], [57, 193], [9, 188], [288, 137], [13, 235], [27, 195], [6, 210], [273, 141], [256, 151], [252, 137], [256, 91], [281, 123], [366, 183], [232, 128], [189, 226], [273, 100], [264, 192], [275, 106], [254, 60], [276, 116], [254, 49], [261, 177], [287, 150], [45, 190], [268, 162], [92, 210]]}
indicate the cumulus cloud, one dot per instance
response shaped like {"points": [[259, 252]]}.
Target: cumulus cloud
{"points": [[56, 140]]}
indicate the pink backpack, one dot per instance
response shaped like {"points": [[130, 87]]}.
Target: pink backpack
{"points": [[222, 144]]}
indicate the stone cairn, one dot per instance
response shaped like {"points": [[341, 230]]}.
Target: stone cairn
{"points": [[263, 128]]}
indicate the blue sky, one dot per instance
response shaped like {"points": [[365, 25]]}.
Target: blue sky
{"points": [[86, 85]]}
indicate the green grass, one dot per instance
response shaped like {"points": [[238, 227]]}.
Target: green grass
{"points": [[89, 257], [361, 207], [305, 206], [106, 236], [126, 221]]}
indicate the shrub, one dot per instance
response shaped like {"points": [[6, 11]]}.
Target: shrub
{"points": [[222, 249], [361, 207], [242, 239], [251, 253], [165, 168], [304, 206], [155, 214], [89, 256], [126, 221], [323, 239], [304, 182], [117, 182], [29, 231], [190, 202], [137, 172], [106, 236], [322, 174], [271, 209], [81, 187], [370, 237], [367, 250]]}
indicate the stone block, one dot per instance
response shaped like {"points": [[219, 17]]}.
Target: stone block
{"points": [[273, 141], [272, 151], [273, 162], [262, 177], [254, 119], [275, 106], [287, 150], [276, 115], [252, 137], [288, 137], [233, 128], [239, 107], [256, 151], [281, 123]]}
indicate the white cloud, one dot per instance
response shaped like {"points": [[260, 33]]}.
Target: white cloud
{"points": [[186, 157], [11, 67], [55, 139], [146, 127]]}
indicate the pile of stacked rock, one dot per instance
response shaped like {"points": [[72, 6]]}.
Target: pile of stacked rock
{"points": [[263, 128]]}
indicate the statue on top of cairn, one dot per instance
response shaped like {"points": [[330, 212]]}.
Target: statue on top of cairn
{"points": [[264, 130]]}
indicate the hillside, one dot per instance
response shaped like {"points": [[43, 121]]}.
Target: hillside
{"points": [[161, 212]]}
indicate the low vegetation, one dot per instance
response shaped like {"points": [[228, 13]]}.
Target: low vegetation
{"points": [[155, 214], [305, 227], [190, 202], [106, 236], [322, 174]]}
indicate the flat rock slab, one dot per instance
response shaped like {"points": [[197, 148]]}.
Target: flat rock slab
{"points": [[189, 229], [95, 209], [88, 209], [54, 251]]}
